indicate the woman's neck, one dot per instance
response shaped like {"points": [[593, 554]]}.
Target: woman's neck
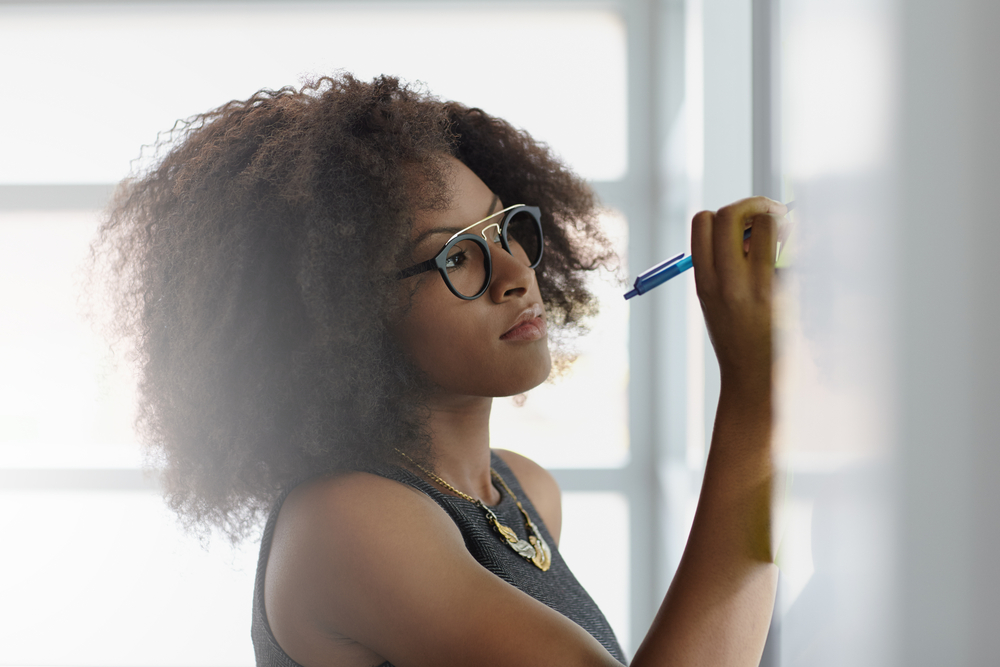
{"points": [[460, 441]]}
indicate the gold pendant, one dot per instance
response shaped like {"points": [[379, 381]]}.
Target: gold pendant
{"points": [[543, 557], [534, 549]]}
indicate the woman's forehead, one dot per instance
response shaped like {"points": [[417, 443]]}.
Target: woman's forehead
{"points": [[470, 200]]}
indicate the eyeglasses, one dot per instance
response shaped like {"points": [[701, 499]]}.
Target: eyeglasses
{"points": [[465, 263]]}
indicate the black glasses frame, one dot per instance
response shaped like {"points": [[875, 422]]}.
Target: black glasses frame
{"points": [[439, 261]]}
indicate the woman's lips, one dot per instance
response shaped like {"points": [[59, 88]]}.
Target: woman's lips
{"points": [[533, 329]]}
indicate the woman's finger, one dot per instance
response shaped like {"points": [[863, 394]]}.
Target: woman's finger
{"points": [[763, 250], [701, 250], [731, 222]]}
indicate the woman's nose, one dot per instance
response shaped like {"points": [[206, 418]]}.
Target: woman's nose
{"points": [[512, 277]]}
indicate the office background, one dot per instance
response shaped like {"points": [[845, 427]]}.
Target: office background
{"points": [[877, 117]]}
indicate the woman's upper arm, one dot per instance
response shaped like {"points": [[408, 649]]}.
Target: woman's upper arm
{"points": [[373, 560], [540, 486]]}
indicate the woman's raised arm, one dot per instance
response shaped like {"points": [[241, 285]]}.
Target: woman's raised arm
{"points": [[718, 608]]}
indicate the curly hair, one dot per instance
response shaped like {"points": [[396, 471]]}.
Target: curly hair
{"points": [[253, 273]]}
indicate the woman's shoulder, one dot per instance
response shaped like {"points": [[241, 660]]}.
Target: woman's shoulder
{"points": [[370, 565], [351, 501], [540, 486], [342, 543]]}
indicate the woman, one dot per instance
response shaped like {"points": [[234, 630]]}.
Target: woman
{"points": [[326, 289]]}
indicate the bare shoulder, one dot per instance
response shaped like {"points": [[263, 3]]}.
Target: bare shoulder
{"points": [[364, 569], [351, 499], [357, 516], [540, 486], [333, 533]]}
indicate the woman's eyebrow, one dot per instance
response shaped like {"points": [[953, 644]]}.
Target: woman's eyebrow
{"points": [[454, 230], [437, 230]]}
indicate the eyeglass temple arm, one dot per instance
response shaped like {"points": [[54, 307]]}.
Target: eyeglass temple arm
{"points": [[429, 265]]}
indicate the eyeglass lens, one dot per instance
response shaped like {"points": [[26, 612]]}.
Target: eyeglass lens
{"points": [[467, 264], [467, 267], [523, 235]]}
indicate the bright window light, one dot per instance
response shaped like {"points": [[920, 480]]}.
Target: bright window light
{"points": [[95, 82]]}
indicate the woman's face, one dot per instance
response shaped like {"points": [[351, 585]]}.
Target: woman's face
{"points": [[495, 345]]}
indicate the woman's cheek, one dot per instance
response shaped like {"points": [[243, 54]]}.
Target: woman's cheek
{"points": [[440, 348]]}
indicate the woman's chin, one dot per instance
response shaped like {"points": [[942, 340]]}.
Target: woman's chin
{"points": [[515, 386], [543, 372]]}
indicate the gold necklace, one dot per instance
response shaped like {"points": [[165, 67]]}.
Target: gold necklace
{"points": [[534, 549]]}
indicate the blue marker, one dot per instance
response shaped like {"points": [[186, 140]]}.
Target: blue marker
{"points": [[670, 268]]}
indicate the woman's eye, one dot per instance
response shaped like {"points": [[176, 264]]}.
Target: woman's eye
{"points": [[456, 260]]}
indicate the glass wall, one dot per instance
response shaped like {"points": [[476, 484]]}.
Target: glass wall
{"points": [[837, 360]]}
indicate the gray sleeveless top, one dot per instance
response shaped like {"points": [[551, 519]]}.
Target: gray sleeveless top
{"points": [[557, 588]]}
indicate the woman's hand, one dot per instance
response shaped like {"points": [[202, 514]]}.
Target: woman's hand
{"points": [[733, 279]]}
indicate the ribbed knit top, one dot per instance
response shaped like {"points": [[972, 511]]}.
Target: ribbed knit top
{"points": [[556, 588]]}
